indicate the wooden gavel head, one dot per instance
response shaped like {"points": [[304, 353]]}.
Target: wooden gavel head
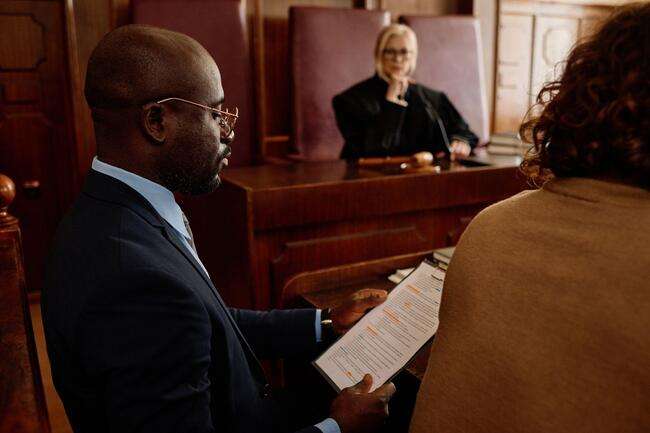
{"points": [[421, 162], [421, 159]]}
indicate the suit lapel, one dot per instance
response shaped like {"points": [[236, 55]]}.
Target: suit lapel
{"points": [[172, 237], [109, 189]]}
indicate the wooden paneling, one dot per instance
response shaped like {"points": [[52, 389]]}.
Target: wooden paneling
{"points": [[425, 7], [120, 12], [588, 26], [280, 8], [486, 11], [553, 39], [534, 38], [37, 136], [276, 78], [91, 20], [21, 42], [513, 71], [330, 286], [301, 255], [286, 219]]}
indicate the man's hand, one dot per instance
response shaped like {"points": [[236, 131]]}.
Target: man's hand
{"points": [[459, 149], [357, 410], [345, 315]]}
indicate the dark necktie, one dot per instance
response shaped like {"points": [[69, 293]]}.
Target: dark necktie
{"points": [[189, 230]]}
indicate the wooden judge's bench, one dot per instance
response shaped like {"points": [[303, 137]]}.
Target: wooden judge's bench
{"points": [[267, 224]]}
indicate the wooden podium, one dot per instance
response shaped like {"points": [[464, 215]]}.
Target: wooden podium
{"points": [[265, 224]]}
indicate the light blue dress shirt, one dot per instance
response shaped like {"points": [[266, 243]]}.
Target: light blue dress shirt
{"points": [[157, 195], [164, 203]]}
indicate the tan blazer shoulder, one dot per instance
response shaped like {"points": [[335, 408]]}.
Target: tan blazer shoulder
{"points": [[545, 317]]}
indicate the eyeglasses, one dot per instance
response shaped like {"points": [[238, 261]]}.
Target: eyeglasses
{"points": [[393, 54], [225, 118]]}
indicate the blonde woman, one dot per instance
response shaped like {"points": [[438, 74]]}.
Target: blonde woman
{"points": [[389, 114]]}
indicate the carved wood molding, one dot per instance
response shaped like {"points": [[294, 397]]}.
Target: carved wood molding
{"points": [[22, 405], [299, 256], [611, 3], [37, 56], [316, 285]]}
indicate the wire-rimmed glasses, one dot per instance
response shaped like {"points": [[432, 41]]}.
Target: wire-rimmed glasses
{"points": [[226, 119], [392, 53]]}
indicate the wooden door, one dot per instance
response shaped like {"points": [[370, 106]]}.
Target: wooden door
{"points": [[36, 134], [553, 40], [513, 71], [534, 38]]}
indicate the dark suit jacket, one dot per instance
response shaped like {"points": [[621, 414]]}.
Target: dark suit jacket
{"points": [[139, 338], [375, 127]]}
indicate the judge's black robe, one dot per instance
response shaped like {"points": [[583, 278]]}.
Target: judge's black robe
{"points": [[375, 127]]}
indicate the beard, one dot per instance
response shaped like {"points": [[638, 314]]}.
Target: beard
{"points": [[192, 166]]}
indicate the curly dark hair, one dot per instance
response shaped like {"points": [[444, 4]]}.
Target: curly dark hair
{"points": [[595, 120]]}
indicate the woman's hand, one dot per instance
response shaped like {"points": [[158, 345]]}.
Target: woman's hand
{"points": [[459, 149], [397, 87]]}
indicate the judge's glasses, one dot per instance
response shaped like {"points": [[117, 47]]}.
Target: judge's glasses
{"points": [[392, 53], [226, 119]]}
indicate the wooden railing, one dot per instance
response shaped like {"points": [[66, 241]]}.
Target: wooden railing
{"points": [[22, 401]]}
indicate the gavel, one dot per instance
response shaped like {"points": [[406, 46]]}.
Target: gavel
{"points": [[417, 160]]}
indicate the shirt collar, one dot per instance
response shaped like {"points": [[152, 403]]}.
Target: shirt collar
{"points": [[160, 197]]}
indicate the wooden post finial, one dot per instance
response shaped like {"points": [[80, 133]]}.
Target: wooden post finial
{"points": [[7, 194]]}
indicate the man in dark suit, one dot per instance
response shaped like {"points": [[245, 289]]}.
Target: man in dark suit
{"points": [[138, 337]]}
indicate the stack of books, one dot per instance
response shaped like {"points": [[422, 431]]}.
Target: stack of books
{"points": [[506, 144], [399, 275], [440, 258]]}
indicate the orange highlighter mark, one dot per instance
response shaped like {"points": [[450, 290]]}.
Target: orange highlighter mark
{"points": [[413, 289], [391, 315]]}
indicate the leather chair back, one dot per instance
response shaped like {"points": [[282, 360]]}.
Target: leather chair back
{"points": [[331, 49], [220, 26], [450, 60]]}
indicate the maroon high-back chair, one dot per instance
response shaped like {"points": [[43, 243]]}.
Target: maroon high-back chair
{"points": [[220, 26], [450, 60], [331, 49]]}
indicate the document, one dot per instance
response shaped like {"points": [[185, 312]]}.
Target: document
{"points": [[386, 338]]}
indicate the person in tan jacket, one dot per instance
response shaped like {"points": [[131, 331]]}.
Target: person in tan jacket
{"points": [[545, 319]]}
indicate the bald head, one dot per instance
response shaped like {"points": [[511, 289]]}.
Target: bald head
{"points": [[136, 64], [171, 142]]}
